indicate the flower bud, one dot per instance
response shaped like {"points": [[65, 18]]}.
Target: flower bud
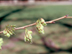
{"points": [[43, 22], [28, 36], [9, 30], [40, 25], [40, 28], [1, 42]]}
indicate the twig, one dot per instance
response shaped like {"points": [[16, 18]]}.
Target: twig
{"points": [[52, 21], [69, 17]]}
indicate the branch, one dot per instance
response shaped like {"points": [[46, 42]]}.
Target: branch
{"points": [[52, 21]]}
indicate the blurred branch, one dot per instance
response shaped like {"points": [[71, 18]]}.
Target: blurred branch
{"points": [[66, 24], [52, 21], [12, 41], [49, 44], [13, 11]]}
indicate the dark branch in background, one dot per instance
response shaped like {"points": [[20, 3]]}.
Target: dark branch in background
{"points": [[51, 47], [49, 44], [66, 25], [14, 11]]}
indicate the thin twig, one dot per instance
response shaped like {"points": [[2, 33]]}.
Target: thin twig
{"points": [[52, 21], [69, 17]]}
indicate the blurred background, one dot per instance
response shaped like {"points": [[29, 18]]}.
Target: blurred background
{"points": [[57, 38]]}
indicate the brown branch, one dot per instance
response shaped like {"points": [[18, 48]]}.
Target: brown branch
{"points": [[52, 21], [69, 17]]}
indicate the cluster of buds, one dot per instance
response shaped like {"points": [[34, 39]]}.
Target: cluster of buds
{"points": [[9, 30], [40, 25], [28, 35], [1, 42]]}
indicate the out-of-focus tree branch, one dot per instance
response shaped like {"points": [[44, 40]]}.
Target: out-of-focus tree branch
{"points": [[52, 21]]}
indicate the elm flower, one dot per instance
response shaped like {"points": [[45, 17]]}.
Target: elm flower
{"points": [[28, 35], [40, 27], [43, 22], [1, 42], [9, 30]]}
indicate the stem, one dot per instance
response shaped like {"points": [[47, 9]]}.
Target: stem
{"points": [[57, 19], [25, 26], [35, 23]]}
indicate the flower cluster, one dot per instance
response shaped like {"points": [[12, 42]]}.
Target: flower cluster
{"points": [[9, 30], [28, 36], [1, 42], [40, 25]]}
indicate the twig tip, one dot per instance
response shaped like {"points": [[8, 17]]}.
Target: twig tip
{"points": [[66, 15]]}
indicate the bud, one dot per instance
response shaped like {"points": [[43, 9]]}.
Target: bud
{"points": [[28, 36], [1, 42], [38, 21], [40, 28], [9, 30], [43, 22], [40, 25]]}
